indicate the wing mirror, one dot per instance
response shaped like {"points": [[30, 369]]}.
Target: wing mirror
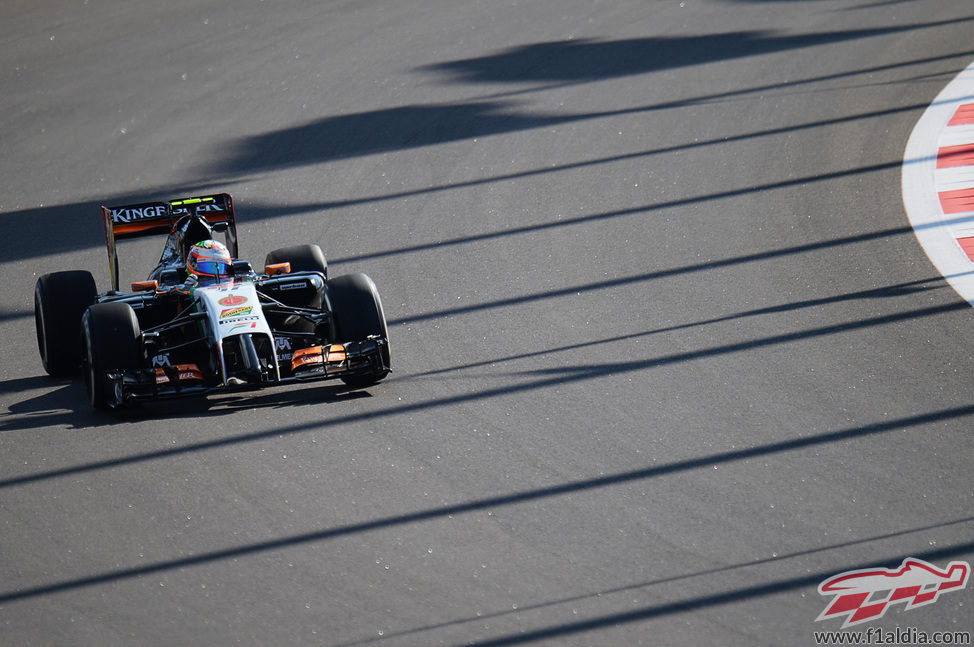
{"points": [[145, 286], [277, 268]]}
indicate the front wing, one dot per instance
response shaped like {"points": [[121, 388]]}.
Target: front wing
{"points": [[186, 380]]}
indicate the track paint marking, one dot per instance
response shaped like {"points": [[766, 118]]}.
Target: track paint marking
{"points": [[951, 156], [938, 182], [963, 115], [967, 244], [958, 201]]}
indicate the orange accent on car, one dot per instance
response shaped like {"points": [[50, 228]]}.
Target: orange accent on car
{"points": [[123, 228], [277, 268], [305, 356], [185, 372], [144, 286], [336, 353], [162, 224], [333, 354]]}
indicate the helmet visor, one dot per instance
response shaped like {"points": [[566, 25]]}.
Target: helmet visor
{"points": [[212, 268]]}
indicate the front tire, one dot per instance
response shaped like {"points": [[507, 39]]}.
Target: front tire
{"points": [[358, 313], [303, 258], [110, 337], [60, 299]]}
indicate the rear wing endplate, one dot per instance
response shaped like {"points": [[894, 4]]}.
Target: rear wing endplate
{"points": [[147, 218]]}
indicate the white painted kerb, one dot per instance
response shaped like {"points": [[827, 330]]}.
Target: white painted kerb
{"points": [[922, 182]]}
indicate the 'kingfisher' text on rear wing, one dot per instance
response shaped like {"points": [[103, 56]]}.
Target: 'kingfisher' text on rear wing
{"points": [[147, 218]]}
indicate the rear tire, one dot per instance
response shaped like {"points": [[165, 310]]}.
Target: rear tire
{"points": [[110, 337], [303, 258], [60, 299], [358, 313]]}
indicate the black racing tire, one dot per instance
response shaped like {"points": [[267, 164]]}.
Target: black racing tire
{"points": [[60, 299], [303, 258], [111, 340], [357, 311]]}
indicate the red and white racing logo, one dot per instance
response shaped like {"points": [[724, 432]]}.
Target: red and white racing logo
{"points": [[866, 594], [232, 300]]}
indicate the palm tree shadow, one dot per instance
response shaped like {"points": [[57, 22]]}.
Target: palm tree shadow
{"points": [[569, 61], [588, 59]]}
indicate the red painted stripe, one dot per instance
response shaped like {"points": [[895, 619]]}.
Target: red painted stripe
{"points": [[869, 611], [845, 603], [963, 116], [957, 201], [925, 597], [967, 244], [905, 593], [949, 156]]}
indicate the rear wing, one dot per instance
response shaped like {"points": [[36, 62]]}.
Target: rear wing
{"points": [[147, 218]]}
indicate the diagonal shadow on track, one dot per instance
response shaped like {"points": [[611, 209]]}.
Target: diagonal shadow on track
{"points": [[30, 419], [717, 599], [903, 289], [523, 609], [11, 386], [868, 5], [412, 126], [268, 211], [649, 208], [74, 220], [649, 276], [702, 462], [32, 414], [581, 60], [581, 371], [77, 231]]}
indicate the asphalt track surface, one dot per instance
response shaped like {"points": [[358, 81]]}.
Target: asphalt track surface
{"points": [[666, 351]]}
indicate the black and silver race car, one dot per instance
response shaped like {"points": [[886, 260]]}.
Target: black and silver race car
{"points": [[171, 337]]}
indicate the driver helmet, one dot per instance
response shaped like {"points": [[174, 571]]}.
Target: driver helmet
{"points": [[208, 259]]}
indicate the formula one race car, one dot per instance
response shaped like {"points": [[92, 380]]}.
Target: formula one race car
{"points": [[205, 321]]}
